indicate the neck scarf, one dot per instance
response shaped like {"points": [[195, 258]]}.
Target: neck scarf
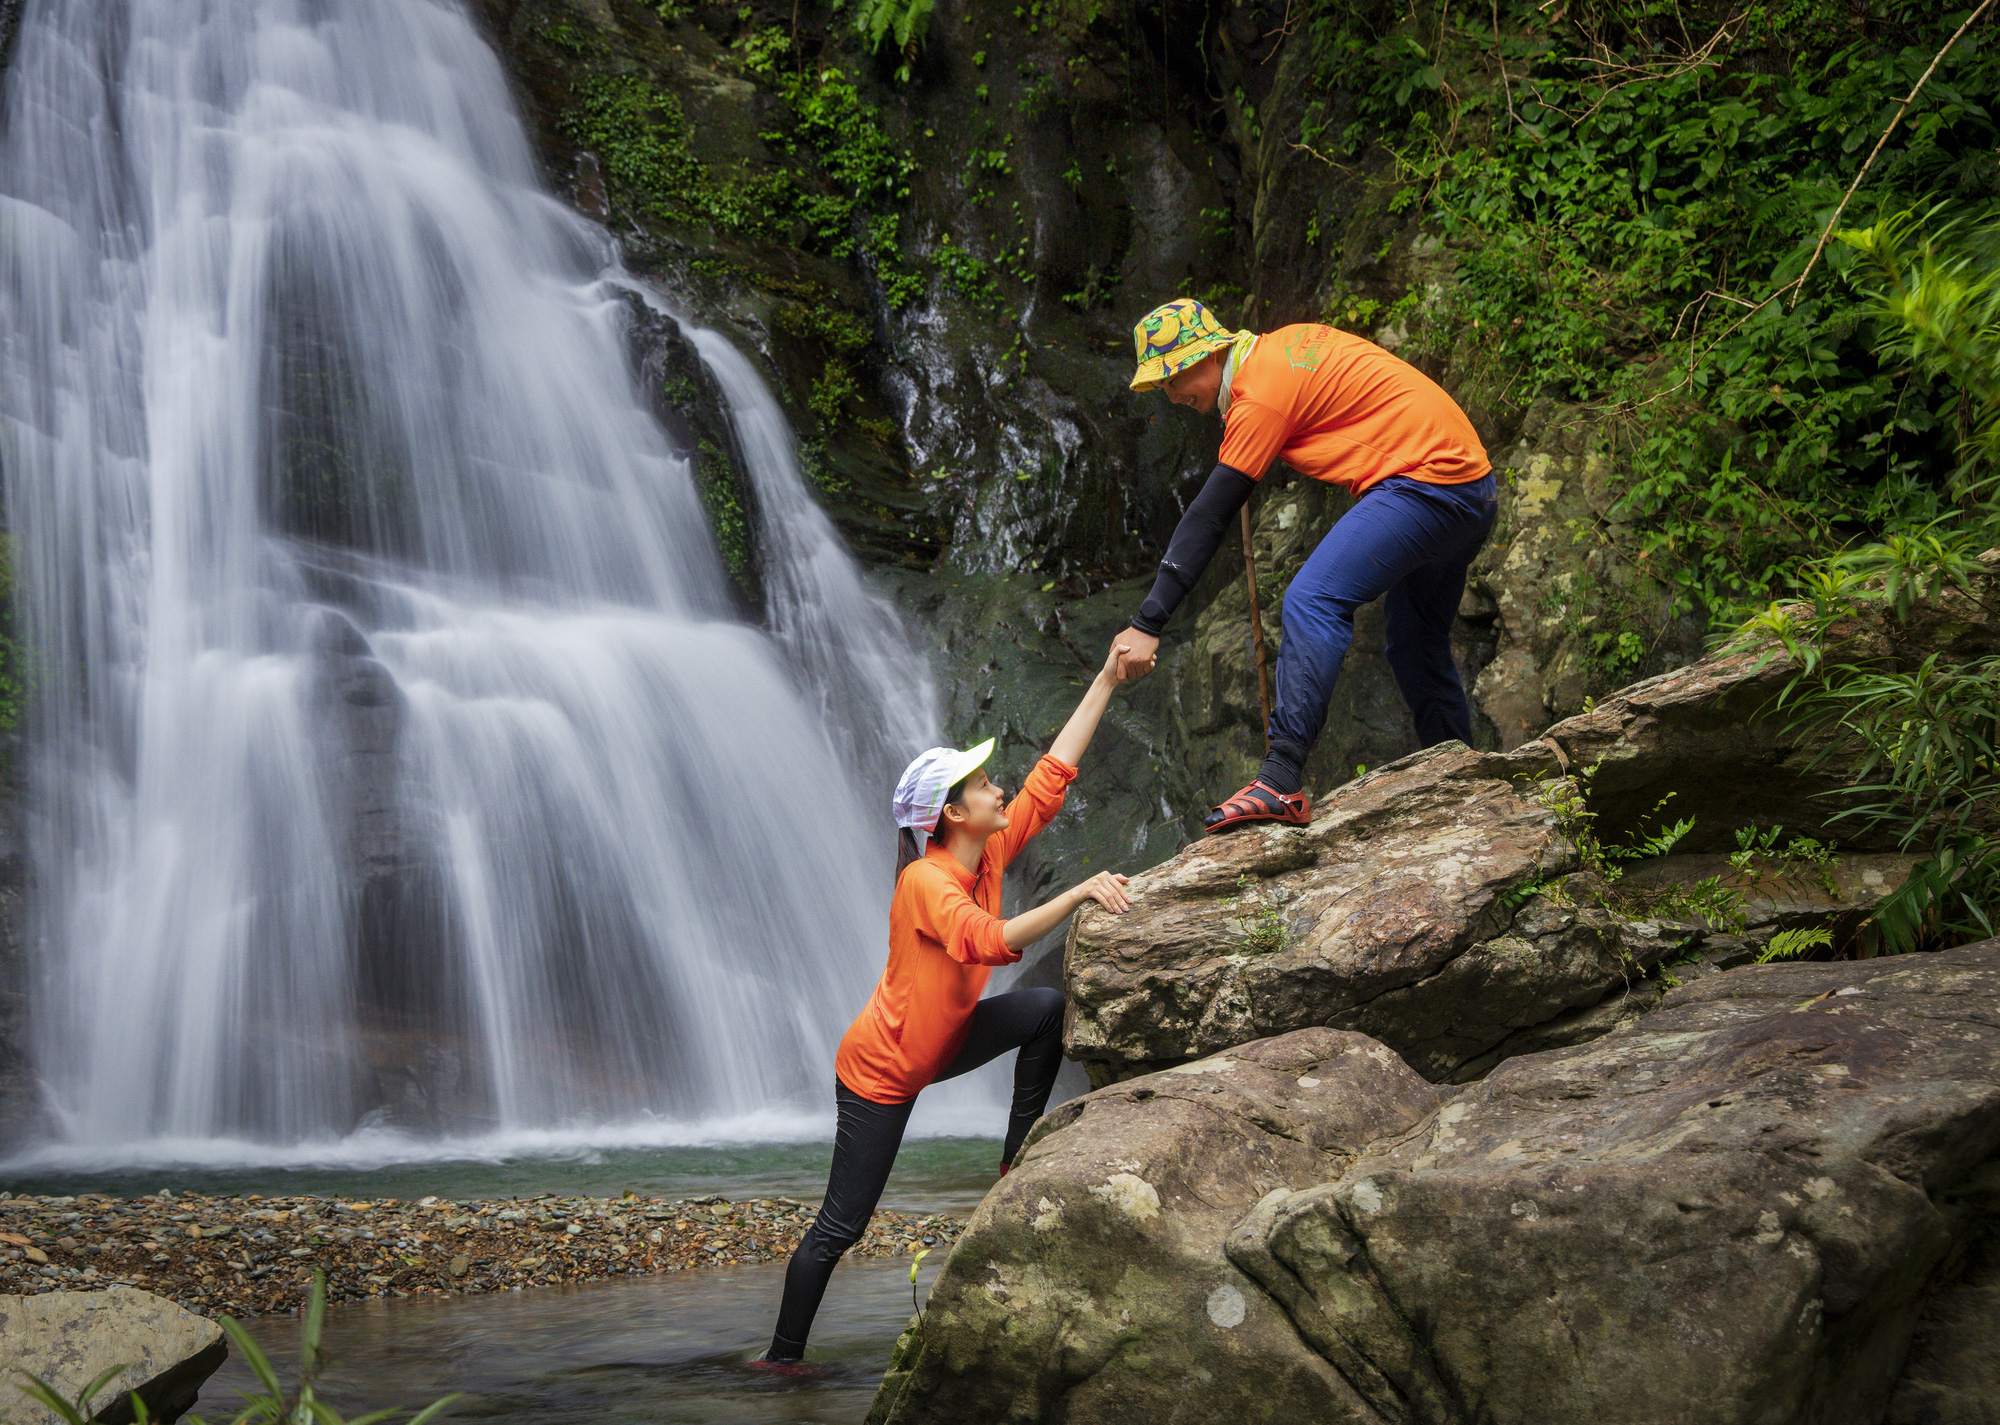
{"points": [[1238, 349]]}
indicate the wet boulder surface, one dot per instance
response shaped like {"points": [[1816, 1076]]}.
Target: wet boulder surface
{"points": [[1403, 911], [1097, 1287], [1739, 1207]]}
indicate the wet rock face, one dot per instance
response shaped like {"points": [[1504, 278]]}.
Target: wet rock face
{"points": [[1707, 734], [1734, 1208], [1092, 1285], [69, 1338], [1389, 914]]}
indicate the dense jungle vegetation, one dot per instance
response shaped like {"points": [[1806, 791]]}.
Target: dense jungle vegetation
{"points": [[1761, 241]]}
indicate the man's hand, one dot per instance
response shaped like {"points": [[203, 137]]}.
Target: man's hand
{"points": [[1142, 653]]}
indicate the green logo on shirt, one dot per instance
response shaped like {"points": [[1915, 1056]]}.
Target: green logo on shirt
{"points": [[1308, 350]]}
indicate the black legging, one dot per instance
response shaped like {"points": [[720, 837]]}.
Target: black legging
{"points": [[869, 1133]]}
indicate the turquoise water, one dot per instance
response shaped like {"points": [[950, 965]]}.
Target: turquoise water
{"points": [[662, 1350], [932, 1175]]}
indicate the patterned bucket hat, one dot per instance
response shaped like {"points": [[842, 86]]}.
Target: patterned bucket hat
{"points": [[1174, 337]]}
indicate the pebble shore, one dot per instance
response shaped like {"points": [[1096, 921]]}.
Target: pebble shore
{"points": [[251, 1255]]}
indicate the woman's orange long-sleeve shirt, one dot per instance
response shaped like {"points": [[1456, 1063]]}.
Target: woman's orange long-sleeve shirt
{"points": [[944, 939]]}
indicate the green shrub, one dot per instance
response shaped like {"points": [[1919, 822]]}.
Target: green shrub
{"points": [[1622, 191]]}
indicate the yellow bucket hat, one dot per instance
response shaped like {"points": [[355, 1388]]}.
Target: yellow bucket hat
{"points": [[1173, 337]]}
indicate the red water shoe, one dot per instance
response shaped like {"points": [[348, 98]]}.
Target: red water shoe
{"points": [[1260, 802]]}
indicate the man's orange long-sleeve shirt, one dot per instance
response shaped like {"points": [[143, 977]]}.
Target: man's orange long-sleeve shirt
{"points": [[944, 939], [1343, 410]]}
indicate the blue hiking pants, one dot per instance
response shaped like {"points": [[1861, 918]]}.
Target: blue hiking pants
{"points": [[1414, 542]]}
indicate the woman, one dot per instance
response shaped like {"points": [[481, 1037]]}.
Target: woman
{"points": [[1340, 409], [925, 1020]]}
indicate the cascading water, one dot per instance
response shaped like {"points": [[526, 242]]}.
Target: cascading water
{"points": [[395, 748]]}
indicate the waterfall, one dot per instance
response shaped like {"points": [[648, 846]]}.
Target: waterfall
{"points": [[397, 753]]}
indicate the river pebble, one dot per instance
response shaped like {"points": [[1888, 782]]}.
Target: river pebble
{"points": [[251, 1255]]}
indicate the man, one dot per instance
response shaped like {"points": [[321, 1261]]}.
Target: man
{"points": [[1343, 410]]}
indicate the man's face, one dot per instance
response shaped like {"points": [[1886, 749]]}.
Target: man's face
{"points": [[1198, 385]]}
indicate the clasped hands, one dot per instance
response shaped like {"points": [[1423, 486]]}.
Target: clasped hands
{"points": [[1134, 655]]}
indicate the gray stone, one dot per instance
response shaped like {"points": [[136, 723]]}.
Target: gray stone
{"points": [[1735, 1208], [1392, 914], [1091, 1284], [1952, 1374], [69, 1338], [1710, 733]]}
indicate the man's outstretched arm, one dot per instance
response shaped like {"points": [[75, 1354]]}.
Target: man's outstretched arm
{"points": [[1196, 538]]}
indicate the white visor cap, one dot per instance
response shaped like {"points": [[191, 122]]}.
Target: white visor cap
{"points": [[920, 792]]}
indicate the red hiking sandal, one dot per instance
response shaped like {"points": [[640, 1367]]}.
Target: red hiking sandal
{"points": [[1260, 802]]}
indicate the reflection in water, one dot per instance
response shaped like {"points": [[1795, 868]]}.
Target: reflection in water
{"points": [[663, 1350]]}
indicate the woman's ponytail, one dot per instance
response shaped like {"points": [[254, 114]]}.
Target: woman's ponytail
{"points": [[907, 850]]}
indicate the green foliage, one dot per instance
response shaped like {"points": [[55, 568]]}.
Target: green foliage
{"points": [[274, 1406], [1790, 944], [1621, 199], [12, 663], [845, 192], [715, 478], [842, 331], [867, 173], [964, 274], [1758, 853], [1930, 739], [1940, 297], [763, 52], [640, 137], [1704, 900], [1928, 736], [1569, 798], [833, 389], [1265, 931], [897, 23]]}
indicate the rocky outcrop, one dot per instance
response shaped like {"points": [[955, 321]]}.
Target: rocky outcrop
{"points": [[1403, 911], [1735, 1208], [1407, 909], [69, 1338], [1092, 1283], [1708, 734]]}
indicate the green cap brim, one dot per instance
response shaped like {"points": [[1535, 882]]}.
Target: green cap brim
{"points": [[969, 761]]}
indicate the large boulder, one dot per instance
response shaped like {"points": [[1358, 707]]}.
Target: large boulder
{"points": [[1393, 913], [1092, 1283], [1710, 733], [1399, 912], [69, 1338], [1732, 1209]]}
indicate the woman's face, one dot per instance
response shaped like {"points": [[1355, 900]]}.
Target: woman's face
{"points": [[981, 808], [1198, 386]]}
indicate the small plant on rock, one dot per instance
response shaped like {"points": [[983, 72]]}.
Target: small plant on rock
{"points": [[1791, 944], [1265, 930]]}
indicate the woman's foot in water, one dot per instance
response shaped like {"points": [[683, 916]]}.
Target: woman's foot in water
{"points": [[797, 1368]]}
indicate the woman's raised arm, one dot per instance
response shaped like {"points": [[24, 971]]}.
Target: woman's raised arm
{"points": [[1072, 741]]}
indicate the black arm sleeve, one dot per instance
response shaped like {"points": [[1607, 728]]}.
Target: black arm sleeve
{"points": [[1196, 538]]}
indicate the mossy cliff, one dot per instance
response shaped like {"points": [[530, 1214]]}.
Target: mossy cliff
{"points": [[938, 251]]}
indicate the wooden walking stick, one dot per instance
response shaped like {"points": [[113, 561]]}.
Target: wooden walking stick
{"points": [[1256, 628]]}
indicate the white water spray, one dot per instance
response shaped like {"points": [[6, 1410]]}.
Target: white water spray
{"points": [[397, 754]]}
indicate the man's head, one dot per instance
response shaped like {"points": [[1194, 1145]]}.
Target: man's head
{"points": [[1175, 344], [1198, 385]]}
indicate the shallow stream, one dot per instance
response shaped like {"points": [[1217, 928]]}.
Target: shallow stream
{"points": [[663, 1350]]}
